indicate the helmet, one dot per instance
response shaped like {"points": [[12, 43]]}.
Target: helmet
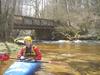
{"points": [[28, 38]]}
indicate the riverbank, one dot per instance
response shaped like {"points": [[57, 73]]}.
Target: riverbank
{"points": [[83, 37]]}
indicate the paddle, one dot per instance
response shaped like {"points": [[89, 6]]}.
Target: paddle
{"points": [[42, 61], [4, 56], [29, 59]]}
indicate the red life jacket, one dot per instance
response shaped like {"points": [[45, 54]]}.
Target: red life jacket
{"points": [[36, 50]]}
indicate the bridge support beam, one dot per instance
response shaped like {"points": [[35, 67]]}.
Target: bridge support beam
{"points": [[43, 34]]}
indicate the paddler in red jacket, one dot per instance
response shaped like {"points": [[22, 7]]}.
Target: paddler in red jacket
{"points": [[29, 50]]}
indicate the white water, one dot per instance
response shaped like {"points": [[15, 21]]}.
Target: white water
{"points": [[74, 42]]}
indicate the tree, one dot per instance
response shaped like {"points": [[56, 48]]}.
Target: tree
{"points": [[0, 7], [6, 19], [74, 15]]}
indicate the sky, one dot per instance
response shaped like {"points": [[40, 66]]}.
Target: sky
{"points": [[28, 8]]}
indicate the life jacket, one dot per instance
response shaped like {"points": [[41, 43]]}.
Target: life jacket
{"points": [[29, 52]]}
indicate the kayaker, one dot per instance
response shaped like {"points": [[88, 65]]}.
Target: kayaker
{"points": [[29, 50]]}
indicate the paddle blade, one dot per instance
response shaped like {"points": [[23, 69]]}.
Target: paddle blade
{"points": [[4, 57]]}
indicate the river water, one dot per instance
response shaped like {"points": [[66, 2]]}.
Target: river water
{"points": [[66, 58]]}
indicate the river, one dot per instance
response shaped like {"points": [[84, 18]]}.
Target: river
{"points": [[66, 58]]}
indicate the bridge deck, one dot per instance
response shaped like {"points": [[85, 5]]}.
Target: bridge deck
{"points": [[24, 22]]}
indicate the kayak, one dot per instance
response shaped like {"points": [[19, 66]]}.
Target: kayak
{"points": [[23, 68]]}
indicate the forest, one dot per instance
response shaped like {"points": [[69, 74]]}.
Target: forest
{"points": [[73, 46], [75, 18]]}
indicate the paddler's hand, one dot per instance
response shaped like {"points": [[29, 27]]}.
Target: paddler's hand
{"points": [[18, 56], [22, 57]]}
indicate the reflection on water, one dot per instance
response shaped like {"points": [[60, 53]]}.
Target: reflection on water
{"points": [[69, 57]]}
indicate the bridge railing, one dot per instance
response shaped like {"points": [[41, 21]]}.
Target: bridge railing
{"points": [[23, 20]]}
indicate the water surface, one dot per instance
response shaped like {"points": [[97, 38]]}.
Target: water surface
{"points": [[67, 58]]}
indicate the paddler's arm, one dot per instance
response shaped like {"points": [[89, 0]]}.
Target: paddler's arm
{"points": [[38, 55], [21, 52]]}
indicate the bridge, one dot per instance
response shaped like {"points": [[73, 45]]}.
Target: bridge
{"points": [[25, 22], [43, 27]]}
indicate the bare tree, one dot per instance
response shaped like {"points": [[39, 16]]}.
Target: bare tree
{"points": [[0, 7], [7, 19]]}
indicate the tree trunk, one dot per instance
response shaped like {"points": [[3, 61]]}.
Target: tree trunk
{"points": [[37, 8], [67, 11], [0, 8], [6, 20]]}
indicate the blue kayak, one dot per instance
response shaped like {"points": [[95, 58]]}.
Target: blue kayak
{"points": [[23, 68]]}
